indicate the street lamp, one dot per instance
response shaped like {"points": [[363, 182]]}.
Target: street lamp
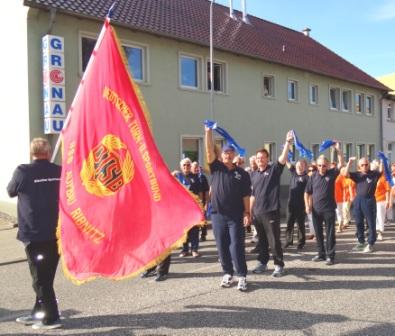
{"points": [[211, 63]]}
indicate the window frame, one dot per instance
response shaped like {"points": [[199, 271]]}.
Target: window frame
{"points": [[296, 90], [337, 98], [370, 151], [371, 97], [224, 75], [271, 146], [362, 98], [199, 71], [200, 139], [311, 102], [363, 146], [272, 84], [346, 146], [349, 91], [390, 112], [145, 59]]}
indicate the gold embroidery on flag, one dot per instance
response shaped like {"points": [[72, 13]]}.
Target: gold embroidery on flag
{"points": [[105, 171]]}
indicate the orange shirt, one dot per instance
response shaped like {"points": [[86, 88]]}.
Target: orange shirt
{"points": [[382, 188], [339, 189], [349, 189]]}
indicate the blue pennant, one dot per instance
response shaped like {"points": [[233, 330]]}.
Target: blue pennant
{"points": [[387, 171], [222, 132], [325, 145], [303, 151]]}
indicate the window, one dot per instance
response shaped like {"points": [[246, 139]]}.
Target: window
{"points": [[390, 112], [135, 55], [369, 105], [191, 148], [268, 86], [347, 151], [292, 90], [370, 152], [346, 100], [136, 60], [360, 151], [313, 93], [315, 149], [334, 98], [219, 77], [359, 102], [390, 147], [189, 70], [271, 148], [87, 46]]}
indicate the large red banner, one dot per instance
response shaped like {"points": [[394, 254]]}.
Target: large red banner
{"points": [[120, 209]]}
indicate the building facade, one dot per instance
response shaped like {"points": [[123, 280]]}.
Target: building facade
{"points": [[259, 94], [388, 108]]}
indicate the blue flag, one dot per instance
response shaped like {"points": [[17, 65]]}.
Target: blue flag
{"points": [[387, 171], [303, 151], [222, 132], [326, 144]]}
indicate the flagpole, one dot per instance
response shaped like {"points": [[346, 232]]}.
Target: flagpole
{"points": [[211, 63], [66, 122]]}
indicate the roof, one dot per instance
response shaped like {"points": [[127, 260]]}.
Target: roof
{"points": [[188, 20], [388, 80]]}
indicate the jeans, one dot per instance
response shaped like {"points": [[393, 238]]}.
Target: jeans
{"points": [[268, 229], [229, 237], [365, 208], [193, 238], [329, 217], [43, 260]]}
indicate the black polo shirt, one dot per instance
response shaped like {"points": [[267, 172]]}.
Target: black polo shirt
{"points": [[37, 187], [366, 183], [297, 186], [190, 181], [228, 188], [322, 188], [266, 189]]}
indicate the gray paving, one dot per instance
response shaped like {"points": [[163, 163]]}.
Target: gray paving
{"points": [[354, 297]]}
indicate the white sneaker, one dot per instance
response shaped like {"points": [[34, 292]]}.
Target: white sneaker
{"points": [[379, 236], [278, 271], [242, 285], [226, 281], [368, 249]]}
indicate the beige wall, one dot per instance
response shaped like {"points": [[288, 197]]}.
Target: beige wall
{"points": [[243, 111]]}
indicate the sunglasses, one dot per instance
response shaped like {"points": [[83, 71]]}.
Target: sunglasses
{"points": [[322, 166], [364, 164], [186, 165]]}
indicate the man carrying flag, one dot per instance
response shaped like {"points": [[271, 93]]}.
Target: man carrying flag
{"points": [[230, 200], [121, 211]]}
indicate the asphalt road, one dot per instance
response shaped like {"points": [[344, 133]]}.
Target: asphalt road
{"points": [[354, 297]]}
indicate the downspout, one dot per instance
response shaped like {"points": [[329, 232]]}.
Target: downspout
{"points": [[52, 16]]}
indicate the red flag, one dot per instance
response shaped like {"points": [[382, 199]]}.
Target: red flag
{"points": [[120, 209]]}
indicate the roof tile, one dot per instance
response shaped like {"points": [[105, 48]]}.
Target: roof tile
{"points": [[189, 20]]}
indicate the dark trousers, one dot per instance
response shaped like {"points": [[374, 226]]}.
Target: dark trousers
{"points": [[163, 267], [204, 231], [298, 215], [329, 217], [229, 237], [193, 239], [365, 208], [43, 260], [268, 229]]}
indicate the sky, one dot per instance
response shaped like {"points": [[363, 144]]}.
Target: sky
{"points": [[360, 31]]}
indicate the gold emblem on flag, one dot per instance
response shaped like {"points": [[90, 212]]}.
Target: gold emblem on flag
{"points": [[108, 167]]}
